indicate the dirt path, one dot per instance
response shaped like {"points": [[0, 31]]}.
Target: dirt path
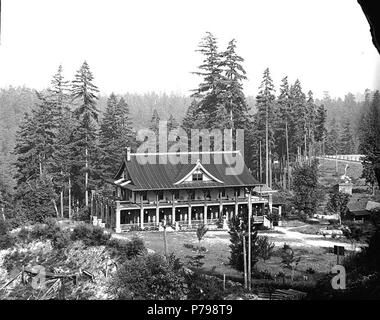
{"points": [[287, 235]]}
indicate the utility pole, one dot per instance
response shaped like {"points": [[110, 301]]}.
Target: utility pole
{"points": [[86, 182], [261, 165], [249, 240], [61, 198], [287, 154], [69, 198], [245, 262], [266, 147]]}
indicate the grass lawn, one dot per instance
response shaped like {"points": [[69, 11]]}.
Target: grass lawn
{"points": [[218, 253]]}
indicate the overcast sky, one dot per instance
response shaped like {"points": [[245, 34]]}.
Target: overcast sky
{"points": [[149, 45]]}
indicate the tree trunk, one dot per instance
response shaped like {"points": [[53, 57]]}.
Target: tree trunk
{"points": [[86, 182], [245, 263], [69, 198], [287, 155]]}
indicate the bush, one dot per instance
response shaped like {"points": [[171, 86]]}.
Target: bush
{"points": [[61, 239], [148, 277], [6, 240], [126, 250], [237, 228], [83, 214], [202, 287], [90, 235], [24, 235], [48, 230], [265, 248]]}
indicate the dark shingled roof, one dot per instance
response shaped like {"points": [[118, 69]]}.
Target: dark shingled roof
{"points": [[160, 176]]}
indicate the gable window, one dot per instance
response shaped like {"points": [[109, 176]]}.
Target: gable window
{"points": [[198, 176]]}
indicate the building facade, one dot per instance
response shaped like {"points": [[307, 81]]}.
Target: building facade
{"points": [[200, 188]]}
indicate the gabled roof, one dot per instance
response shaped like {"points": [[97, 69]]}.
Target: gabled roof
{"points": [[159, 176]]}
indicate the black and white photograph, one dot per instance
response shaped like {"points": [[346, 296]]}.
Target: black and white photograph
{"points": [[204, 151]]}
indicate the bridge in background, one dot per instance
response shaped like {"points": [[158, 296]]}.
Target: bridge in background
{"points": [[343, 157]]}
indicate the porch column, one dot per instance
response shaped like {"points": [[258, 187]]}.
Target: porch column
{"points": [[157, 210], [118, 227], [189, 213], [141, 213], [205, 213], [173, 210], [236, 204], [270, 202], [220, 204]]}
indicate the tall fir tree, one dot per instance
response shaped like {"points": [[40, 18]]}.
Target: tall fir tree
{"points": [[84, 95], [370, 140], [209, 94], [299, 128], [234, 99], [264, 121]]}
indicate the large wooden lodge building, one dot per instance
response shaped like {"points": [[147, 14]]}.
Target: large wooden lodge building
{"points": [[182, 195]]}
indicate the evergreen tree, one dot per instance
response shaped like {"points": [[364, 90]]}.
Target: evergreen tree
{"points": [[320, 125], [127, 135], [110, 139], [84, 94], [209, 94], [264, 121], [155, 122], [191, 120], [347, 141], [333, 138], [284, 120], [370, 140], [305, 186], [299, 127], [234, 99], [172, 123]]}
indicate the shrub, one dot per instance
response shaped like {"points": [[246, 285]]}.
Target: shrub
{"points": [[90, 235], [61, 239], [48, 230], [201, 231], [238, 227], [83, 214], [23, 235], [6, 240], [265, 248], [148, 277], [202, 287], [126, 250]]}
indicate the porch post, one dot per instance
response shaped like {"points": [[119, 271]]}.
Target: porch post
{"points": [[204, 208], [236, 204], [173, 209], [220, 204], [157, 211], [141, 212], [118, 227], [189, 210]]}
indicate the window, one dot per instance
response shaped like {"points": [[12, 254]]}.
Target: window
{"points": [[176, 194], [144, 195], [238, 192], [192, 195], [160, 195], [197, 176], [223, 193]]}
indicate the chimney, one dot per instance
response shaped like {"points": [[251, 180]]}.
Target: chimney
{"points": [[128, 153]]}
